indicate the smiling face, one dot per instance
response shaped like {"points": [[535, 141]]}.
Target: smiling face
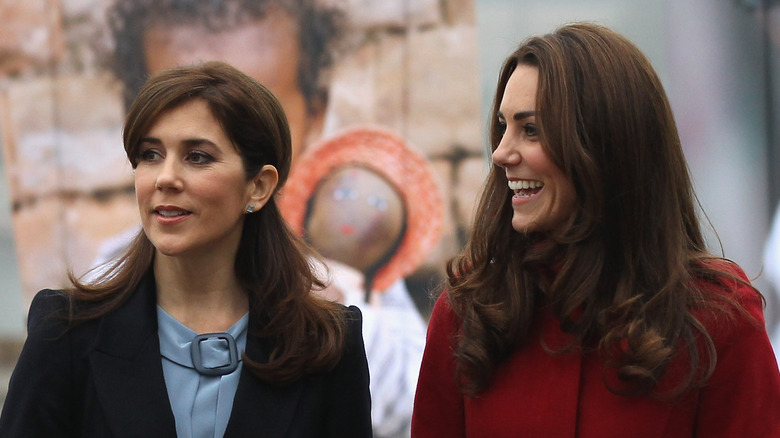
{"points": [[543, 197], [191, 186]]}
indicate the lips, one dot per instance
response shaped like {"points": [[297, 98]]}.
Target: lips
{"points": [[170, 212]]}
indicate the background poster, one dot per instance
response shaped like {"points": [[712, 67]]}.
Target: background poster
{"points": [[407, 67]]}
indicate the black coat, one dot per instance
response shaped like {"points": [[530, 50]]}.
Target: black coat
{"points": [[104, 378]]}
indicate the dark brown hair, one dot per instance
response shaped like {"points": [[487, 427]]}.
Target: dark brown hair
{"points": [[305, 331], [629, 260]]}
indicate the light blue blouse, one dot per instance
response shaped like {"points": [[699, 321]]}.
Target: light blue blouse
{"points": [[201, 404]]}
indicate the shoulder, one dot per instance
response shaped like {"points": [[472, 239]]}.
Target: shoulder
{"points": [[734, 307], [52, 333], [349, 381], [354, 329], [49, 299], [41, 391], [48, 311], [443, 326], [443, 316], [353, 362], [728, 280], [47, 323], [744, 389], [354, 314]]}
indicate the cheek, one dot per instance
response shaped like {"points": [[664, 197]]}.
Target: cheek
{"points": [[570, 199], [144, 183], [537, 159], [337, 217], [567, 196], [221, 191]]}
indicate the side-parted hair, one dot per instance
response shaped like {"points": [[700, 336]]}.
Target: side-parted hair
{"points": [[318, 27], [306, 332], [621, 275]]}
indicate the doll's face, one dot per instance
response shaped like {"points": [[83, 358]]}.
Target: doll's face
{"points": [[355, 217]]}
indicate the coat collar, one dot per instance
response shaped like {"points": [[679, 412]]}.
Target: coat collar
{"points": [[130, 384]]}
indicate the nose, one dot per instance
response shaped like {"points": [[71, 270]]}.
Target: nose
{"points": [[505, 154], [169, 177]]}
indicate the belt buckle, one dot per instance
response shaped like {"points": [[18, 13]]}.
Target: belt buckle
{"points": [[197, 360]]}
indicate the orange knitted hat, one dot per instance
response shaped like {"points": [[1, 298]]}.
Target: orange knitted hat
{"points": [[388, 155]]}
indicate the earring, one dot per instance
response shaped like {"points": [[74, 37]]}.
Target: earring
{"points": [[250, 209]]}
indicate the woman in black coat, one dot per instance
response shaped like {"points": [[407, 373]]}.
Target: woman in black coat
{"points": [[206, 326]]}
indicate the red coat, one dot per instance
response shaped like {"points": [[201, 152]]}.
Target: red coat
{"points": [[537, 394]]}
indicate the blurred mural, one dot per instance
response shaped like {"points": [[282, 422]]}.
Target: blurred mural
{"points": [[409, 67]]}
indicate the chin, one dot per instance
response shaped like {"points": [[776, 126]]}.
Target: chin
{"points": [[524, 226], [168, 250]]}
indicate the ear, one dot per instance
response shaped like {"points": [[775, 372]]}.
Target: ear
{"points": [[262, 186]]}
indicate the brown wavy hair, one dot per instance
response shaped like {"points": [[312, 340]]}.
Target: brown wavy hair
{"points": [[307, 332], [625, 267]]}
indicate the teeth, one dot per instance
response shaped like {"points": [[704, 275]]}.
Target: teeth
{"points": [[165, 213], [525, 184]]}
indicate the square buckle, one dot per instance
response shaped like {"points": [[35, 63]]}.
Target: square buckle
{"points": [[197, 356]]}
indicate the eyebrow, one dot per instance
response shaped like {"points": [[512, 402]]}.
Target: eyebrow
{"points": [[189, 142], [519, 115]]}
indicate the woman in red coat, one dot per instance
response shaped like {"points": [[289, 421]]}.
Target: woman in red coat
{"points": [[586, 303]]}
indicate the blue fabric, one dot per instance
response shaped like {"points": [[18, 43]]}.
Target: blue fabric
{"points": [[214, 353], [201, 404]]}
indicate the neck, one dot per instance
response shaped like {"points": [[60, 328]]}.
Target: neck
{"points": [[205, 297]]}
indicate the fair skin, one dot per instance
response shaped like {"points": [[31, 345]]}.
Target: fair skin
{"points": [[192, 195], [543, 197], [265, 49]]}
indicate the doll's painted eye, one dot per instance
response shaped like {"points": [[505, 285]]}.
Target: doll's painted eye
{"points": [[343, 193], [377, 202]]}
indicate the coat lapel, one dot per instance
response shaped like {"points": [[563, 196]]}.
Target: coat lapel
{"points": [[129, 379], [259, 408], [127, 368]]}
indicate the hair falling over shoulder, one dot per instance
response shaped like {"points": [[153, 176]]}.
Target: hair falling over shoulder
{"points": [[305, 332], [624, 275]]}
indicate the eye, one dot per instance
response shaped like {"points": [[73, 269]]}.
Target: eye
{"points": [[530, 130], [196, 157], [343, 193], [377, 202], [501, 125], [149, 155]]}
